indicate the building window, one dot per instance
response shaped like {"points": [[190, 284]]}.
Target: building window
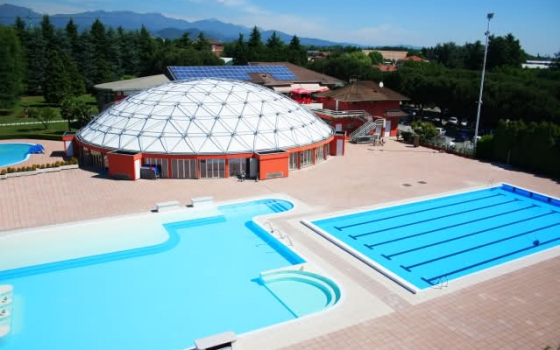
{"points": [[294, 161], [212, 168], [237, 166], [327, 150], [320, 154], [184, 169], [306, 158], [160, 163]]}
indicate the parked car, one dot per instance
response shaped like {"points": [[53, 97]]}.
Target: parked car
{"points": [[453, 120], [441, 131], [463, 122]]}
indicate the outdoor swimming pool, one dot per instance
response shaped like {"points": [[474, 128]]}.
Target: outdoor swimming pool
{"points": [[206, 278], [427, 243], [13, 153]]}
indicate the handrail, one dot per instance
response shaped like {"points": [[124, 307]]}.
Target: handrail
{"points": [[344, 114]]}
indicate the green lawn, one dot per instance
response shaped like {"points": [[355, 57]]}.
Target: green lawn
{"points": [[16, 114], [37, 131]]}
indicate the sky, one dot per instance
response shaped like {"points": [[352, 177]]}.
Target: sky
{"points": [[536, 23]]}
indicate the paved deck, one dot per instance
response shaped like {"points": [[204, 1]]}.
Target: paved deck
{"points": [[518, 310]]}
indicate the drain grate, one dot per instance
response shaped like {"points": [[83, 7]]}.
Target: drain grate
{"points": [[406, 185], [422, 182]]}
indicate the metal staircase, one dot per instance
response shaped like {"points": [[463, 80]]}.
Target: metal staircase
{"points": [[366, 128]]}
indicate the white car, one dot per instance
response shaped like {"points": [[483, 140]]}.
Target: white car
{"points": [[464, 122], [453, 120], [441, 131]]}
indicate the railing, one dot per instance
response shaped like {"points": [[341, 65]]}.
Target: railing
{"points": [[365, 130], [360, 114]]}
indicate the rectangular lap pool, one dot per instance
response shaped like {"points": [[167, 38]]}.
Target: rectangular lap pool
{"points": [[427, 243]]}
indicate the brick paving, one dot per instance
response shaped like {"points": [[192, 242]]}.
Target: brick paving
{"points": [[518, 310]]}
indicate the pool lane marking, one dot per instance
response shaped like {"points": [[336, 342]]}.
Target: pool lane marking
{"points": [[340, 228], [464, 236], [432, 219], [495, 258], [477, 247], [370, 246]]}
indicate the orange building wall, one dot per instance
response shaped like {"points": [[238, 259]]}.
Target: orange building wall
{"points": [[273, 163], [121, 165]]}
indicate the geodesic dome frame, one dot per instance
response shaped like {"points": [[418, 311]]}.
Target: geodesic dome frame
{"points": [[205, 116]]}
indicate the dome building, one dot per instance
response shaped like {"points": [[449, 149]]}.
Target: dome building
{"points": [[205, 128]]}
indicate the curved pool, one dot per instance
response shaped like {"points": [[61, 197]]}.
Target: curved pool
{"points": [[13, 153]]}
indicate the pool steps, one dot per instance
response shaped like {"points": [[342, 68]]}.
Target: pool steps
{"points": [[301, 274], [6, 298]]}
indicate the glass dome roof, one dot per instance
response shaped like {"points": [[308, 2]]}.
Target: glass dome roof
{"points": [[206, 116]]}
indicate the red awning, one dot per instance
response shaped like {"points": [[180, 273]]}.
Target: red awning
{"points": [[300, 91]]}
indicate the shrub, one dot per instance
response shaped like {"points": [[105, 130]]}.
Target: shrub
{"points": [[425, 130], [57, 163], [73, 160], [406, 136], [28, 168], [10, 170], [18, 170], [3, 172], [48, 165], [42, 166], [34, 167]]}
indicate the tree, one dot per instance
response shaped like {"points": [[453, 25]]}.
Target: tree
{"points": [[505, 51], [275, 47], [75, 109], [296, 53], [201, 43], [44, 115], [21, 32], [47, 31], [57, 82], [255, 47], [241, 56], [376, 57], [10, 67], [184, 41], [147, 50], [36, 62], [73, 38]]}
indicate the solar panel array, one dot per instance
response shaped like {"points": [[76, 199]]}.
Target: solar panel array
{"points": [[230, 72]]}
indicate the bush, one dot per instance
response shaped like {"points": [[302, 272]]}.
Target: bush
{"points": [[28, 168], [425, 130], [18, 170], [3, 172], [535, 147], [42, 166], [73, 160], [34, 167], [57, 163], [485, 147], [10, 170], [406, 136], [48, 165]]}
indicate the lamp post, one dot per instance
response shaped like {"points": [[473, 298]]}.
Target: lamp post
{"points": [[489, 16]]}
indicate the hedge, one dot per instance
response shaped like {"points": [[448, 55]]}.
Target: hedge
{"points": [[534, 146]]}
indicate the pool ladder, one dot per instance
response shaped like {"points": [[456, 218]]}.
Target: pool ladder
{"points": [[279, 235], [442, 282], [6, 301]]}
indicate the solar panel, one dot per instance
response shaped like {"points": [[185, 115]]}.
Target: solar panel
{"points": [[231, 72]]}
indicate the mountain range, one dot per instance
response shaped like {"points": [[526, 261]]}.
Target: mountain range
{"points": [[156, 23]]}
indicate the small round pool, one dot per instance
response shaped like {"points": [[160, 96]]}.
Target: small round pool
{"points": [[13, 153]]}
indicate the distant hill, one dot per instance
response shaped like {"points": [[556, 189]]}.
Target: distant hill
{"points": [[156, 23]]}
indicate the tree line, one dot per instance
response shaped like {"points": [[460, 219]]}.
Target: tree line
{"points": [[274, 50], [61, 62]]}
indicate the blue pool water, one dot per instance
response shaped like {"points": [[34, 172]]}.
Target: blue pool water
{"points": [[204, 280], [13, 153], [429, 242]]}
